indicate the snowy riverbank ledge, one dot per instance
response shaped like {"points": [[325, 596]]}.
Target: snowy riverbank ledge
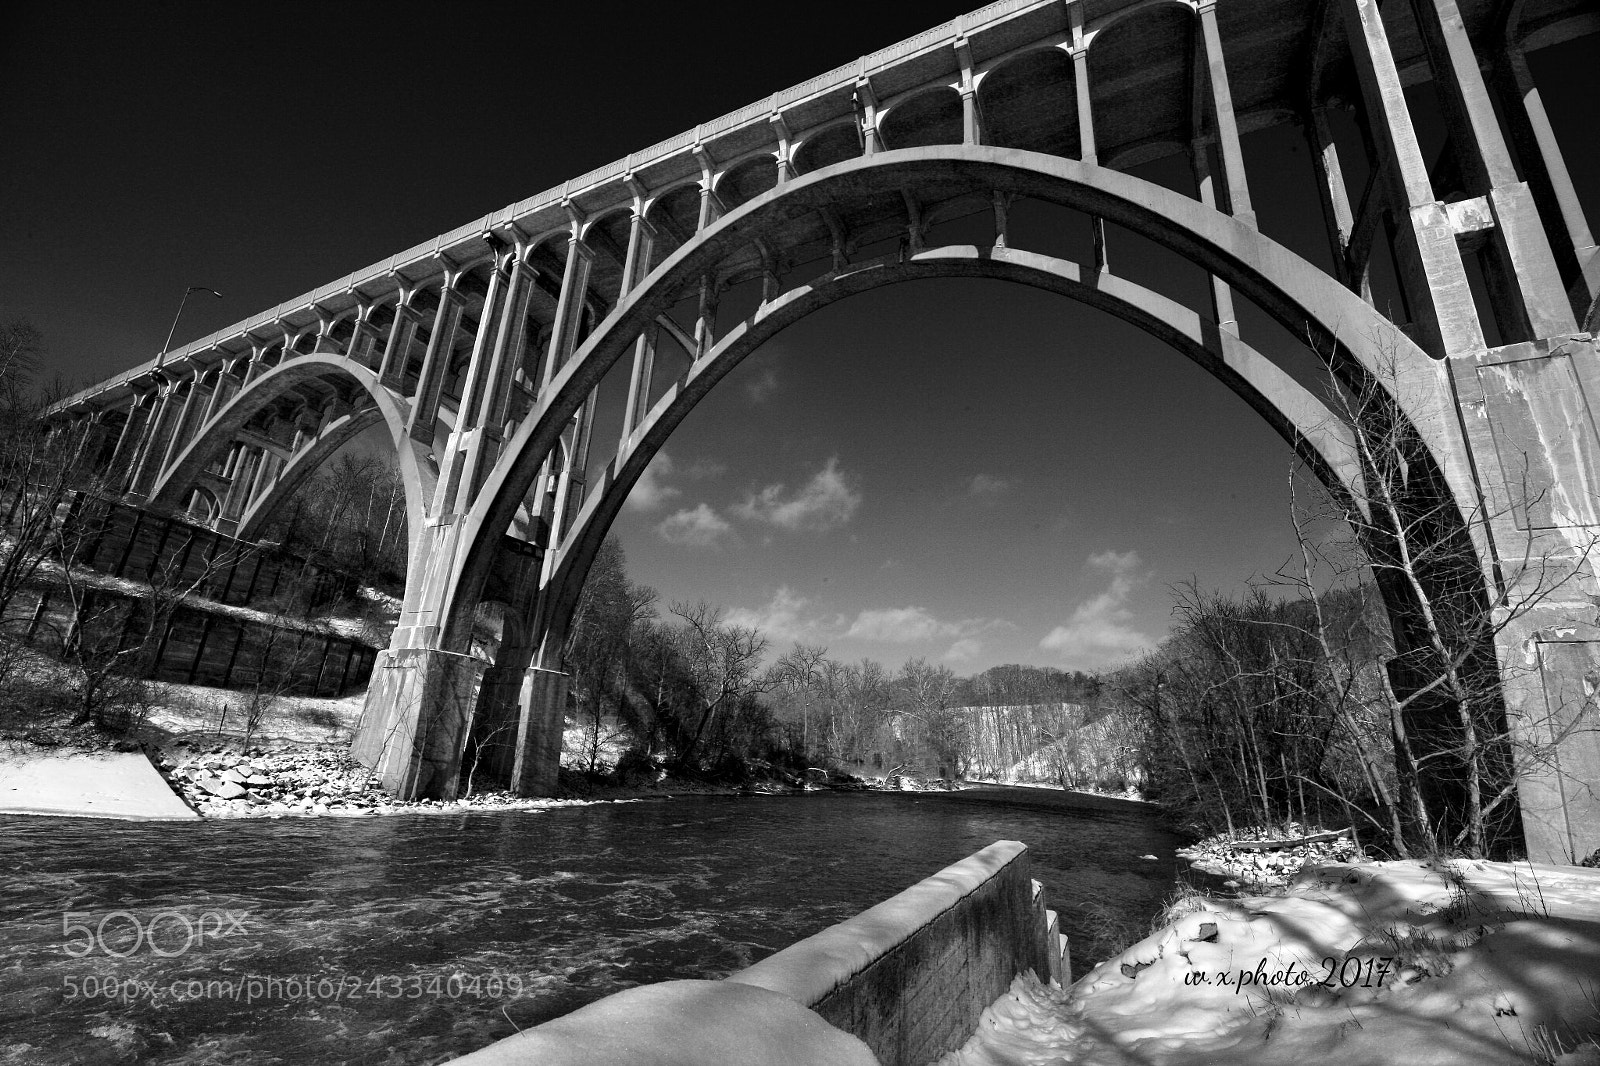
{"points": [[1455, 963]]}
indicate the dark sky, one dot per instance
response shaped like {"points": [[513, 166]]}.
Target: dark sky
{"points": [[966, 471]]}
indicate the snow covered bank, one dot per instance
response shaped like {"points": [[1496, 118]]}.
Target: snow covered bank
{"points": [[85, 785], [1453, 963]]}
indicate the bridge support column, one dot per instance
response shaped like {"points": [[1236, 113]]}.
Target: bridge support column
{"points": [[1532, 301], [1532, 434], [1549, 178], [153, 442], [539, 731], [1434, 277], [421, 701], [397, 349], [1236, 186], [1338, 219], [130, 436], [435, 363], [418, 712], [1080, 78]]}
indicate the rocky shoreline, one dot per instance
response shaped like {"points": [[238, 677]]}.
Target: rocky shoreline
{"points": [[305, 782], [1257, 858], [324, 781]]}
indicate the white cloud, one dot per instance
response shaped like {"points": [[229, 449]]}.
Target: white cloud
{"points": [[914, 625], [1098, 633], [699, 528], [964, 650], [651, 491], [763, 384], [987, 487], [898, 625], [826, 502], [784, 619]]}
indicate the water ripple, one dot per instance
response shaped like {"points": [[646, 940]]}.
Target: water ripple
{"points": [[569, 904]]}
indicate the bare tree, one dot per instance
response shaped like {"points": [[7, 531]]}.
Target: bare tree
{"points": [[723, 661], [600, 640], [1441, 689], [802, 675]]}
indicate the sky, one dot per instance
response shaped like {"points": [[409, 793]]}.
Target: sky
{"points": [[964, 471]]}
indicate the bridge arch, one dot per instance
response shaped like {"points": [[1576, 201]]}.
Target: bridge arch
{"points": [[1314, 432], [172, 488], [1348, 333]]}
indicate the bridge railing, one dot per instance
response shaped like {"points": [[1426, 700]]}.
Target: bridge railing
{"points": [[756, 112]]}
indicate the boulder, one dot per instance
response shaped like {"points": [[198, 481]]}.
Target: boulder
{"points": [[221, 788]]}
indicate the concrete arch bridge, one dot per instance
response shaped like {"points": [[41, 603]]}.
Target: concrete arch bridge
{"points": [[528, 365]]}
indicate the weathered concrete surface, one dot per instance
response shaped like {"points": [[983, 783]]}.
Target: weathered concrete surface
{"points": [[98, 785], [912, 975], [682, 1023], [908, 978]]}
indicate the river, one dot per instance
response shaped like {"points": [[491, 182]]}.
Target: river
{"points": [[412, 939]]}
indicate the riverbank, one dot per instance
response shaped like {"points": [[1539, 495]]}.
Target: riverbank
{"points": [[1454, 963]]}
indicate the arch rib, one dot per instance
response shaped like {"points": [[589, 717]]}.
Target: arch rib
{"points": [[1343, 329], [224, 425], [1317, 436]]}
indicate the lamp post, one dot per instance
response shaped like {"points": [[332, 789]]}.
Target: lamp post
{"points": [[161, 357]]}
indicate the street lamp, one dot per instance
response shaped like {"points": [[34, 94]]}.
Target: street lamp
{"points": [[161, 357]]}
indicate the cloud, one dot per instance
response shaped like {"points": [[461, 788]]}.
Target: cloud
{"points": [[964, 650], [826, 502], [699, 528], [1098, 633], [763, 384], [651, 491], [784, 619], [914, 625], [898, 625], [987, 488]]}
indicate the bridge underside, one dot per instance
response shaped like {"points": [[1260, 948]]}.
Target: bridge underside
{"points": [[1456, 283]]}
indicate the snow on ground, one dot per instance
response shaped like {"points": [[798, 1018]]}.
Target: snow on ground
{"points": [[200, 713], [1407, 963]]}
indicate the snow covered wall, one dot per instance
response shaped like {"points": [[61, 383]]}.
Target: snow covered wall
{"points": [[899, 985], [912, 975]]}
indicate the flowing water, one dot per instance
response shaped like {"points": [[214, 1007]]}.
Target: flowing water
{"points": [[412, 939]]}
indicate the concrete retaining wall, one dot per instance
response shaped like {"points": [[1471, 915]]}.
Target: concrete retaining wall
{"points": [[911, 976], [900, 984], [119, 539], [198, 647]]}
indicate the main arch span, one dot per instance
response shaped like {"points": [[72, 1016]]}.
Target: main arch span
{"points": [[1463, 294]]}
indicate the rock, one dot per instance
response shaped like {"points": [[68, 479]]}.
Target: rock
{"points": [[233, 775], [221, 788], [258, 780]]}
